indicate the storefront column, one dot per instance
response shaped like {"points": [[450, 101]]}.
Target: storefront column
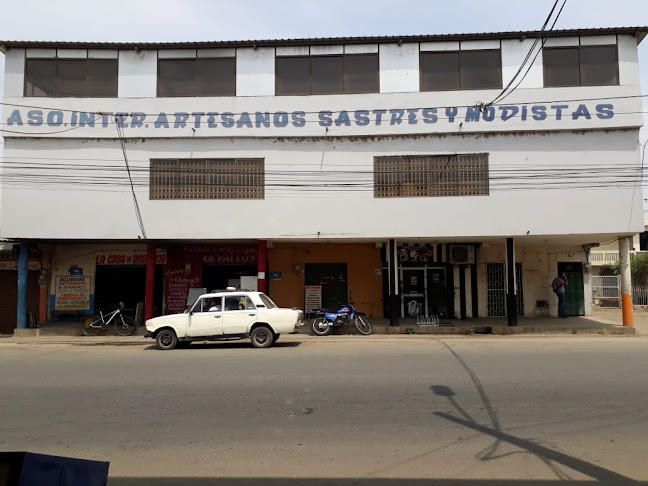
{"points": [[511, 297], [149, 296], [462, 293], [262, 264], [626, 281], [23, 274], [394, 294]]}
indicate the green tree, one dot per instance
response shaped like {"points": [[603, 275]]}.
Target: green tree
{"points": [[638, 268]]}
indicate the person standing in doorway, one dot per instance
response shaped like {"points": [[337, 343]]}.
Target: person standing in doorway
{"points": [[558, 285]]}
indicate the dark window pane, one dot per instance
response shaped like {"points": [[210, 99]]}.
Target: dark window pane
{"points": [[176, 77], [327, 75], [71, 77], [599, 66], [480, 69], [101, 81], [361, 73], [40, 77], [439, 71], [293, 76], [561, 66], [216, 77]]}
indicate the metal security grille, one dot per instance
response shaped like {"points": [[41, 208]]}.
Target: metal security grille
{"points": [[431, 175], [496, 289], [605, 290], [207, 179], [520, 289]]}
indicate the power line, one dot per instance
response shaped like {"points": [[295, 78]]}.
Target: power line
{"points": [[528, 56], [138, 214]]}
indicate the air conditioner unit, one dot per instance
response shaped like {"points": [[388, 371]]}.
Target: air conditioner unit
{"points": [[462, 254]]}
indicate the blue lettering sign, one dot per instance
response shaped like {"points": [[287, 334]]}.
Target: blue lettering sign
{"points": [[298, 119], [451, 112], [35, 118], [244, 121], [396, 117], [325, 118], [362, 118], [429, 115], [605, 111]]}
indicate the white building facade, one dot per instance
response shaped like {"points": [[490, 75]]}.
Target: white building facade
{"points": [[386, 171]]}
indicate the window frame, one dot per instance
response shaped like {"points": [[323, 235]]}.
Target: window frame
{"points": [[458, 52], [183, 183], [578, 48], [195, 77], [56, 61], [405, 183], [310, 73]]}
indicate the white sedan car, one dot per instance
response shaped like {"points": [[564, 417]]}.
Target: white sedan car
{"points": [[223, 316]]}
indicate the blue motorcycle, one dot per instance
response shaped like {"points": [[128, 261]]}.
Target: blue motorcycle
{"points": [[324, 322]]}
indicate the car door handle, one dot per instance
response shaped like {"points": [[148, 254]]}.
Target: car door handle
{"points": [[217, 317], [251, 315]]}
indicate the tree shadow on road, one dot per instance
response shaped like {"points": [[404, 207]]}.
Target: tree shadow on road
{"points": [[549, 457]]}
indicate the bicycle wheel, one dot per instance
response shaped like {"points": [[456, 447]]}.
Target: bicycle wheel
{"points": [[124, 325], [91, 325], [362, 325]]}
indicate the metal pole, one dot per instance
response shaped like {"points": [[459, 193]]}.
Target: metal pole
{"points": [[262, 264], [149, 300], [394, 297], [23, 274], [626, 282], [511, 297]]}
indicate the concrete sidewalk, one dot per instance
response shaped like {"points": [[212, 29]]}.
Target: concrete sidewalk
{"points": [[601, 322]]}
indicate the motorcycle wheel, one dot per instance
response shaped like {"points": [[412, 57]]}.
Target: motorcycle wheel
{"points": [[363, 325], [321, 327]]}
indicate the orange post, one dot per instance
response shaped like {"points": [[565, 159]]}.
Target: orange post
{"points": [[626, 309]]}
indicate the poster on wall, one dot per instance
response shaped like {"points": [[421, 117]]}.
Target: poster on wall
{"points": [[313, 300], [72, 293], [9, 261], [416, 253], [178, 284]]}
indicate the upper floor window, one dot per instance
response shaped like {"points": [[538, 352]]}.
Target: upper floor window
{"points": [[431, 175], [77, 78], [197, 77], [580, 66], [454, 70], [319, 75], [207, 179]]}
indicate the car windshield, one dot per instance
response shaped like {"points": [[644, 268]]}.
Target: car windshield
{"points": [[267, 301]]}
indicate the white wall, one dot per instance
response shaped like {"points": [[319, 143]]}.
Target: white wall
{"points": [[137, 74], [14, 73], [95, 211], [255, 71], [399, 68]]}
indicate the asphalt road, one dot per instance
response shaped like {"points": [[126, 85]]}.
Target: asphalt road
{"points": [[335, 411]]}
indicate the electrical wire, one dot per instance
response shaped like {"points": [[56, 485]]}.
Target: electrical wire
{"points": [[138, 214], [528, 56]]}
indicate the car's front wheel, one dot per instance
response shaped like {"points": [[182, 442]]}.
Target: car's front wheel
{"points": [[166, 339], [262, 337]]}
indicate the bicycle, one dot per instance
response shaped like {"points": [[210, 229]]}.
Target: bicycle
{"points": [[124, 325]]}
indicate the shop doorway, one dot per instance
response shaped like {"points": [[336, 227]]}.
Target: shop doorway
{"points": [[333, 279], [574, 292], [9, 301], [424, 292], [127, 284], [219, 277]]}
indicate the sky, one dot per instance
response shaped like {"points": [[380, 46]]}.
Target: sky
{"points": [[215, 20]]}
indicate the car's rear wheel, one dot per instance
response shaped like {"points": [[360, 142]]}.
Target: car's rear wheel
{"points": [[262, 337], [166, 339]]}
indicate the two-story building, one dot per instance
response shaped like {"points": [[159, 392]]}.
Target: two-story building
{"points": [[412, 175]]}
